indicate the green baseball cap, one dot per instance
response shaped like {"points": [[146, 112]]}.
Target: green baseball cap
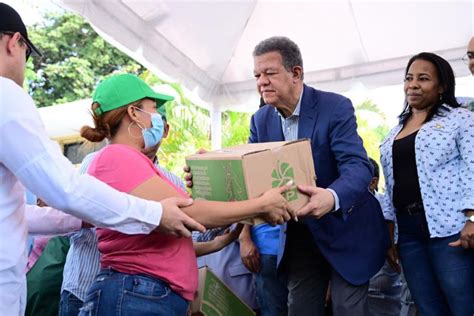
{"points": [[119, 90]]}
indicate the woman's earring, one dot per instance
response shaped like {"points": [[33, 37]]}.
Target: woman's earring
{"points": [[130, 133]]}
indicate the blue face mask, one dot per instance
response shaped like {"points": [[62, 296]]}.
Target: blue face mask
{"points": [[153, 135]]}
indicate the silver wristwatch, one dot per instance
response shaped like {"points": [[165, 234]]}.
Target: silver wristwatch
{"points": [[470, 219]]}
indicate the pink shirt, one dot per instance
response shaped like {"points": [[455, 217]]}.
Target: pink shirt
{"points": [[165, 257]]}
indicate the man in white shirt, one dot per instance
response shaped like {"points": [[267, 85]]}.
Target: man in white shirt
{"points": [[29, 159]]}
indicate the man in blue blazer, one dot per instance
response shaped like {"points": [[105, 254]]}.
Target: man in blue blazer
{"points": [[341, 235]]}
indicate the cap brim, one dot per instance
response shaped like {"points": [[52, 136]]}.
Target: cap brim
{"points": [[34, 50], [161, 98]]}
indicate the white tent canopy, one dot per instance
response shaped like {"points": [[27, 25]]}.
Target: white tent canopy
{"points": [[207, 45]]}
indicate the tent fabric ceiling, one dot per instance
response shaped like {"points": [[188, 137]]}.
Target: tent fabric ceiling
{"points": [[207, 45]]}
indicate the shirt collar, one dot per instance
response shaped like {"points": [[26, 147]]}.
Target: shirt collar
{"points": [[296, 112]]}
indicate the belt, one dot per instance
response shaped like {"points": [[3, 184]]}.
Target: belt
{"points": [[411, 209]]}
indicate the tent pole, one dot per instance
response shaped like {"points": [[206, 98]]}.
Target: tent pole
{"points": [[216, 128]]}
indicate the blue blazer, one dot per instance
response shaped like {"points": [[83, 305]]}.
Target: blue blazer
{"points": [[353, 239]]}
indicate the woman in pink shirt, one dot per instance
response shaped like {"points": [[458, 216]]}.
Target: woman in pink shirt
{"points": [[152, 274]]}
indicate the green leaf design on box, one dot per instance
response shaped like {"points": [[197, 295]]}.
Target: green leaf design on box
{"points": [[281, 176]]}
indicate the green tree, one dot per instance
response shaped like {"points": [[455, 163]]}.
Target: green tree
{"points": [[75, 59], [372, 127], [235, 128]]}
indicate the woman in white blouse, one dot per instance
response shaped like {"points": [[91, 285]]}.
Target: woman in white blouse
{"points": [[428, 162]]}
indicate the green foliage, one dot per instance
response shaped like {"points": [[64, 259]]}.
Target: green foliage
{"points": [[235, 128], [189, 127], [75, 59], [372, 128]]}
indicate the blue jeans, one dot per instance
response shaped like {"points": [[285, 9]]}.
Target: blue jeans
{"points": [[440, 277], [385, 292], [272, 292], [69, 304], [115, 293]]}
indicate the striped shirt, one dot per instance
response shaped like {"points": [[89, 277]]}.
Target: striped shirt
{"points": [[83, 258]]}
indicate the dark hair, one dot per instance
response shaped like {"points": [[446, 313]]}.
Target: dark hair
{"points": [[106, 124], [375, 165], [289, 51], [446, 80]]}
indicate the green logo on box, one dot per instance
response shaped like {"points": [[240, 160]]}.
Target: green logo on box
{"points": [[281, 176]]}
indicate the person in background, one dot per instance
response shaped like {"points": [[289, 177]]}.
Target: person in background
{"points": [[384, 287], [29, 159], [469, 57], [428, 163]]}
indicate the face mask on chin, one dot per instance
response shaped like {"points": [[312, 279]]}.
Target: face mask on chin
{"points": [[153, 135]]}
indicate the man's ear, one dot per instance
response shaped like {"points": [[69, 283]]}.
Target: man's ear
{"points": [[12, 42], [297, 73]]}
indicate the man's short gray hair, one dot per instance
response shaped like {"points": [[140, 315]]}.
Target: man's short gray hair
{"points": [[289, 51]]}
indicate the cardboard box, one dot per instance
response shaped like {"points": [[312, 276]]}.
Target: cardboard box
{"points": [[246, 171], [215, 298]]}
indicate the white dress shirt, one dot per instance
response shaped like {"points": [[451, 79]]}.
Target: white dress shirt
{"points": [[28, 158]]}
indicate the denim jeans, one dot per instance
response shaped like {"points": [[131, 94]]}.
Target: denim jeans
{"points": [[115, 293], [272, 292], [440, 277], [69, 304], [385, 292]]}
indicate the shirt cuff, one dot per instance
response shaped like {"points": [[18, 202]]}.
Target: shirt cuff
{"points": [[336, 200]]}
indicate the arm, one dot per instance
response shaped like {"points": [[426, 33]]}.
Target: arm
{"points": [[392, 253], [218, 243], [466, 170], [248, 251], [39, 165], [49, 221], [271, 205]]}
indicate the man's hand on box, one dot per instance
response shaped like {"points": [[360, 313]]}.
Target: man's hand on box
{"points": [[176, 222], [188, 175], [321, 201], [275, 206]]}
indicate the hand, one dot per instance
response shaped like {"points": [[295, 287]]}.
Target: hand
{"points": [[320, 203], [275, 206], [228, 236], [176, 222], [250, 256], [188, 176], [393, 259], [466, 240]]}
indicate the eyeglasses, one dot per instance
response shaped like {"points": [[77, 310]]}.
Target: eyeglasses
{"points": [[23, 42], [467, 57]]}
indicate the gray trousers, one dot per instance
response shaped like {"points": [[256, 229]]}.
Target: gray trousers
{"points": [[309, 274]]}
